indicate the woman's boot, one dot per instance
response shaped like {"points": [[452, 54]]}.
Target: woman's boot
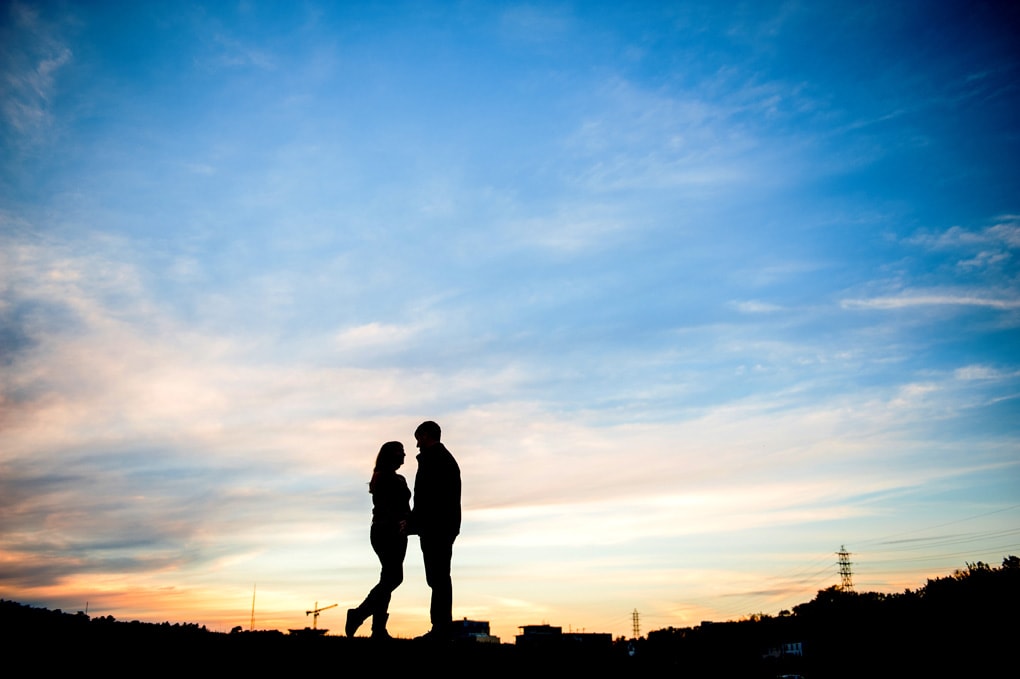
{"points": [[355, 617]]}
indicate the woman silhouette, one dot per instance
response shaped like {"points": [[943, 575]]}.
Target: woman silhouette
{"points": [[390, 508]]}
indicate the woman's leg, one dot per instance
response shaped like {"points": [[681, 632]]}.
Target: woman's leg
{"points": [[390, 546]]}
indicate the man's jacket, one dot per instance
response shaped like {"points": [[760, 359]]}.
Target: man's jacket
{"points": [[436, 494]]}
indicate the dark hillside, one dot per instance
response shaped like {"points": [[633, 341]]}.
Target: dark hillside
{"points": [[964, 624]]}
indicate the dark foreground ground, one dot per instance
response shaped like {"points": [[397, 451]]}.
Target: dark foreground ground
{"points": [[967, 625], [42, 641]]}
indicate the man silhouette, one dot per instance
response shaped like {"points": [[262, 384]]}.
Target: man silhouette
{"points": [[436, 519]]}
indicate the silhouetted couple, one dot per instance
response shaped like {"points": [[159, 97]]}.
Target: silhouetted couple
{"points": [[435, 519]]}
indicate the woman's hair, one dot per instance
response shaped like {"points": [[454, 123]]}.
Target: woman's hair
{"points": [[390, 457]]}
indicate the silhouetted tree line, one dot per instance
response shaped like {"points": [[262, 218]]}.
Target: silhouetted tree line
{"points": [[964, 624]]}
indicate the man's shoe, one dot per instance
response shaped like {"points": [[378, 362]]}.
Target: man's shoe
{"points": [[379, 632], [435, 636]]}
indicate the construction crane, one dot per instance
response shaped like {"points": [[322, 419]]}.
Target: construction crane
{"points": [[315, 613]]}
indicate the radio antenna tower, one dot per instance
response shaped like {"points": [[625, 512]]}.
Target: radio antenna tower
{"points": [[636, 617], [845, 574]]}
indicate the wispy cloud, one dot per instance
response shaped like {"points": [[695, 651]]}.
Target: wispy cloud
{"points": [[1004, 233], [536, 23], [755, 307], [374, 336], [229, 52], [907, 300], [984, 372], [643, 140], [32, 58], [979, 274]]}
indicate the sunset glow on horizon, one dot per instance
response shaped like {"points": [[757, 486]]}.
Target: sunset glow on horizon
{"points": [[698, 292]]}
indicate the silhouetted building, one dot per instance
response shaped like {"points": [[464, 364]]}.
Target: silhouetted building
{"points": [[589, 640], [538, 634], [787, 650], [543, 635], [473, 630], [308, 632]]}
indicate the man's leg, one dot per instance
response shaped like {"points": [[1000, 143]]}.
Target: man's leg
{"points": [[437, 553]]}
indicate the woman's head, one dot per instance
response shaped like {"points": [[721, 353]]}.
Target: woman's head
{"points": [[390, 457]]}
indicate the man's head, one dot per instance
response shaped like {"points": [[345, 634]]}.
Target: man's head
{"points": [[427, 434]]}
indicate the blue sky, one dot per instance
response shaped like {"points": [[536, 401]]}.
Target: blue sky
{"points": [[699, 292]]}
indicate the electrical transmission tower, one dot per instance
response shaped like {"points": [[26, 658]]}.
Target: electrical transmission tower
{"points": [[845, 574], [636, 617]]}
